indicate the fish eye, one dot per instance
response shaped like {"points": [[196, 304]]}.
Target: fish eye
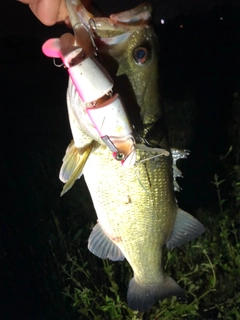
{"points": [[141, 55]]}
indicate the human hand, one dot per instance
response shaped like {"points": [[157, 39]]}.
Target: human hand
{"points": [[51, 11]]}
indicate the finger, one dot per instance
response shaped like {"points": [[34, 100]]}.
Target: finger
{"points": [[49, 12], [27, 1]]}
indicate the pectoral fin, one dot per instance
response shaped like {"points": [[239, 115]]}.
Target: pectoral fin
{"points": [[73, 164], [102, 246], [186, 228]]}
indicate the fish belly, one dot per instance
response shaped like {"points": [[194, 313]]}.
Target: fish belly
{"points": [[135, 207]]}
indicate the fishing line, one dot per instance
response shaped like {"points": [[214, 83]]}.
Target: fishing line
{"points": [[136, 173], [152, 157]]}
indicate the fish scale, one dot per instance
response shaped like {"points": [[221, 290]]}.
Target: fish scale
{"points": [[145, 215]]}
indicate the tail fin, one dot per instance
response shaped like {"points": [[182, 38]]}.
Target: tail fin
{"points": [[142, 297]]}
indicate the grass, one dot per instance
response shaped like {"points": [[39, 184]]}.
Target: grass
{"points": [[207, 268], [77, 285], [82, 286]]}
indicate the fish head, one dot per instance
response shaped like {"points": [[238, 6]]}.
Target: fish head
{"points": [[129, 50], [127, 46]]}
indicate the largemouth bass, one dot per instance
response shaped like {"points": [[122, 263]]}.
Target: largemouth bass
{"points": [[135, 203]]}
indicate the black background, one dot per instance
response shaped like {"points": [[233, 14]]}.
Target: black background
{"points": [[202, 59]]}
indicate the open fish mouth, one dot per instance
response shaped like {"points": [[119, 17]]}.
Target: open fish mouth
{"points": [[127, 47]]}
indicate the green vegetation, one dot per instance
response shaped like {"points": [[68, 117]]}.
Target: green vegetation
{"points": [[79, 285], [208, 268]]}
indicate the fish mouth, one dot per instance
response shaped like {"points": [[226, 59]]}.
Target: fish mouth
{"points": [[111, 37], [126, 20], [113, 29]]}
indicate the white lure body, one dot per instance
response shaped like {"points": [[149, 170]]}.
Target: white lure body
{"points": [[111, 121]]}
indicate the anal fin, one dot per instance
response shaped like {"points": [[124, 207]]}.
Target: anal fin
{"points": [[186, 228], [102, 246]]}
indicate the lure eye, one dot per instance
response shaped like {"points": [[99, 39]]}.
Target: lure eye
{"points": [[120, 156], [141, 55]]}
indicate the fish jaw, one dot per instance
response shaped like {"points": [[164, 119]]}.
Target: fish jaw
{"points": [[138, 15], [137, 83], [146, 84], [131, 49]]}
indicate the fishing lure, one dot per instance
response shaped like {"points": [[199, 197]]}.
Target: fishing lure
{"points": [[94, 86]]}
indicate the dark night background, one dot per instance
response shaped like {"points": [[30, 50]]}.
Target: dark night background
{"points": [[200, 63]]}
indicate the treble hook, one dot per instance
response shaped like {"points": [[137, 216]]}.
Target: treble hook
{"points": [[89, 31], [80, 17], [57, 65]]}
